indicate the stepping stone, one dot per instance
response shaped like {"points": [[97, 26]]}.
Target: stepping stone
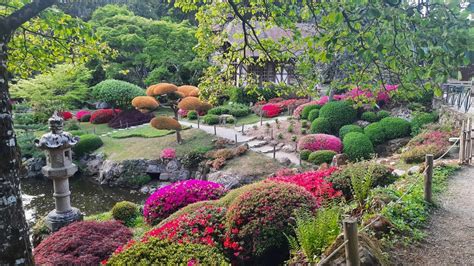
{"points": [[264, 149], [256, 143]]}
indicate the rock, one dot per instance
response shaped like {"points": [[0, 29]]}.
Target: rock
{"points": [[414, 170], [362, 123], [32, 168], [228, 180], [224, 118], [102, 105], [260, 137], [145, 189], [284, 161], [399, 172], [402, 112], [391, 146], [267, 139], [381, 226], [288, 148], [280, 145], [91, 164], [339, 160], [392, 163]]}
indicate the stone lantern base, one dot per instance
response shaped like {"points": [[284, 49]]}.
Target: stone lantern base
{"points": [[56, 220]]}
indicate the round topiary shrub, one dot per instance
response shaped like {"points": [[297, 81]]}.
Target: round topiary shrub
{"points": [[375, 132], [304, 154], [258, 220], [313, 114], [307, 109], [118, 93], [82, 243], [357, 146], [320, 157], [192, 115], [339, 113], [316, 142], [321, 125], [155, 251], [382, 114], [170, 198], [211, 119], [369, 117], [349, 128], [395, 127], [218, 110], [87, 144], [125, 211]]}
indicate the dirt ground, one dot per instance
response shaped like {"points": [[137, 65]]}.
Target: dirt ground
{"points": [[450, 232]]}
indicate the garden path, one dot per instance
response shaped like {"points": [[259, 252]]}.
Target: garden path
{"points": [[229, 133], [450, 233]]}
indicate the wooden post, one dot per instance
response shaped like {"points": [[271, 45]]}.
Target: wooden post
{"points": [[243, 129], [300, 160], [274, 151], [462, 143], [261, 118], [271, 133], [198, 120], [235, 139], [428, 178], [215, 130], [352, 246], [94, 130], [469, 141]]}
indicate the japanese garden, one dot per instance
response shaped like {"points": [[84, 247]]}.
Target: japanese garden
{"points": [[159, 132]]}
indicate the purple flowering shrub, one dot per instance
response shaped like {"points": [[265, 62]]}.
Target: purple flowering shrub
{"points": [[168, 199]]}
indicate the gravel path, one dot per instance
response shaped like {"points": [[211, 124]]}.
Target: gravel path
{"points": [[450, 233]]}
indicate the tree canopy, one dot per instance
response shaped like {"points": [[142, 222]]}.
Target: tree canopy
{"points": [[149, 51]]}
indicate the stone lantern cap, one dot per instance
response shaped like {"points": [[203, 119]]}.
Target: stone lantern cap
{"points": [[57, 138]]}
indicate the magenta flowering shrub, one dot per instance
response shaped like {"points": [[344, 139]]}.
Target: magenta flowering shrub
{"points": [[182, 112], [168, 199], [316, 142], [299, 109], [365, 95], [168, 153], [82, 113]]}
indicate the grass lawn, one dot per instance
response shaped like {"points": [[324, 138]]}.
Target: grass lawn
{"points": [[143, 132], [150, 148], [90, 128]]}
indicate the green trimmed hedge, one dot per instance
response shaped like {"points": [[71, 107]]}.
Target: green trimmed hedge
{"points": [[87, 144], [338, 113], [376, 133], [420, 119], [395, 127], [321, 156], [308, 109], [192, 115], [357, 146], [211, 119], [304, 154], [349, 128], [321, 125], [125, 211], [369, 117], [313, 114]]}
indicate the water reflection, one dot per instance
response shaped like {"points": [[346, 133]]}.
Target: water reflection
{"points": [[90, 198]]}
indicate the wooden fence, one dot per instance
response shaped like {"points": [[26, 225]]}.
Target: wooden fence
{"points": [[465, 142]]}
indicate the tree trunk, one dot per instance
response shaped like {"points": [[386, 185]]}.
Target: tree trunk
{"points": [[15, 247]]}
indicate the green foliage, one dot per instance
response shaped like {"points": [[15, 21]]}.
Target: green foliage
{"points": [[87, 144], [338, 113], [313, 114], [315, 233], [357, 146], [211, 119], [149, 51], [192, 115], [382, 114], [138, 181], [369, 117], [234, 109], [118, 93], [307, 109], [141, 132], [321, 156], [125, 211], [362, 183], [321, 125], [381, 176], [395, 127], [155, 251], [420, 119], [348, 129], [77, 132], [25, 141], [65, 87], [304, 154], [376, 133]]}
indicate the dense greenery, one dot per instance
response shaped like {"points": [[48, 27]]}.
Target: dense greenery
{"points": [[357, 146], [117, 93], [148, 51], [87, 143]]}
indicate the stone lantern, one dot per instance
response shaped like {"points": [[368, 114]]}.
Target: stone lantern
{"points": [[57, 145]]}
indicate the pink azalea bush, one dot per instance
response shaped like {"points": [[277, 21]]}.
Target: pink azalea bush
{"points": [[182, 112], [314, 182], [322, 101], [170, 198], [365, 95], [168, 153], [82, 113], [316, 142]]}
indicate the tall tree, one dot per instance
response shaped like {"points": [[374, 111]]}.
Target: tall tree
{"points": [[38, 37]]}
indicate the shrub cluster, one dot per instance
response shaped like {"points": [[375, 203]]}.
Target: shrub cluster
{"points": [[103, 116], [87, 144], [307, 109], [321, 125], [270, 110], [339, 114], [357, 146], [322, 156], [192, 115], [65, 115], [170, 198], [234, 109], [82, 243], [348, 129], [387, 129], [82, 113], [369, 117], [304, 154], [128, 118], [211, 119], [298, 110], [125, 211], [429, 142], [316, 142], [313, 114], [421, 119]]}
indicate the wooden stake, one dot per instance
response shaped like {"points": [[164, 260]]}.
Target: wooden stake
{"points": [[274, 151], [469, 141], [215, 130], [243, 130], [352, 246], [428, 178], [235, 139], [198, 120], [462, 143]]}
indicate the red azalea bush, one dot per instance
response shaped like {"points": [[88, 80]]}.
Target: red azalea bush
{"points": [[128, 118], [316, 142], [258, 220], [81, 114], [170, 198], [322, 101], [103, 116], [271, 110], [65, 115], [82, 243], [314, 182], [204, 225]]}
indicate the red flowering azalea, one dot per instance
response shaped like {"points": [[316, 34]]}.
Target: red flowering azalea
{"points": [[65, 115], [271, 110]]}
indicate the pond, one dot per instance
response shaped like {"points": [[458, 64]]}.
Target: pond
{"points": [[86, 195]]}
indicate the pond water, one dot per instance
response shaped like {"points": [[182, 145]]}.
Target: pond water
{"points": [[86, 195]]}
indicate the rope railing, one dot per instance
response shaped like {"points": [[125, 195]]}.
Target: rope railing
{"points": [[427, 168]]}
